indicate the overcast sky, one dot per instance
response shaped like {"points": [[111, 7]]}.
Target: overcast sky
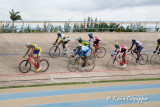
{"points": [[64, 10]]}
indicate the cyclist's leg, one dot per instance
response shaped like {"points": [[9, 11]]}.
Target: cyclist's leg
{"points": [[31, 53], [64, 44], [139, 49], [85, 57], [37, 52], [96, 45], [124, 57], [38, 59]]}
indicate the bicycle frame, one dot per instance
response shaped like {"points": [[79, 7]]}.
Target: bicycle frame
{"points": [[30, 59], [134, 55]]}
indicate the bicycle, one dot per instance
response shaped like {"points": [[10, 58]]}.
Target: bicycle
{"points": [[143, 59], [25, 65], [55, 51], [73, 64], [114, 62], [155, 59]]}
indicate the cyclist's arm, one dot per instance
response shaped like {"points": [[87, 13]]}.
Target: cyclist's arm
{"points": [[118, 52], [131, 46], [27, 51], [56, 41], [81, 54], [157, 48], [77, 52]]}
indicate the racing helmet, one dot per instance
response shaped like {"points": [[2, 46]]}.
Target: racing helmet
{"points": [[134, 39], [58, 32], [116, 44], [79, 38], [90, 34], [27, 44]]}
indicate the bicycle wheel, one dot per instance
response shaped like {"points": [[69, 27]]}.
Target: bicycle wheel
{"points": [[25, 66], [73, 64], [113, 64], [101, 52], [44, 65], [143, 59], [69, 51], [155, 59], [90, 65], [129, 58], [54, 51]]}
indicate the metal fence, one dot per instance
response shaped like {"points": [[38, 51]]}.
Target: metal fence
{"points": [[153, 26]]}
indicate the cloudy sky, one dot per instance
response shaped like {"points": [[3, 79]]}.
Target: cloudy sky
{"points": [[77, 10]]}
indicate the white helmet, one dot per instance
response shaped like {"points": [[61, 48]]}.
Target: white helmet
{"points": [[27, 44], [79, 38], [133, 39], [79, 45], [58, 32]]}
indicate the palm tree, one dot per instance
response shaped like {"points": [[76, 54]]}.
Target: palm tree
{"points": [[14, 16]]}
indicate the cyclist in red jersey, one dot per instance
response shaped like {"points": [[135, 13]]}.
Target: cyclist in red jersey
{"points": [[121, 49], [95, 41]]}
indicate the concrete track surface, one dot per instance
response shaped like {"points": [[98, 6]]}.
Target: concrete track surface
{"points": [[12, 47], [116, 94]]}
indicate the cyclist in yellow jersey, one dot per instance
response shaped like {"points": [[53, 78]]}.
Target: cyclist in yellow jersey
{"points": [[35, 49], [64, 39], [83, 42], [158, 44]]}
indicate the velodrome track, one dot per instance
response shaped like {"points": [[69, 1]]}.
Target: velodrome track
{"points": [[12, 47], [116, 94]]}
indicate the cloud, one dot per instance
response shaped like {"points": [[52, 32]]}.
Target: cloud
{"points": [[80, 9]]}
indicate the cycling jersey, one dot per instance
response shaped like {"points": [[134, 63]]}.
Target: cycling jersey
{"points": [[96, 40], [85, 50], [85, 42], [121, 48], [36, 49], [158, 44], [139, 46], [138, 43], [64, 38]]}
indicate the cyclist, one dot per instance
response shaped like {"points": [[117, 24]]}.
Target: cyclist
{"points": [[121, 49], [95, 41], [83, 42], [84, 51], [158, 44], [137, 49], [35, 49], [63, 39]]}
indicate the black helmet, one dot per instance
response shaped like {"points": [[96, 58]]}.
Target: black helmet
{"points": [[158, 40]]}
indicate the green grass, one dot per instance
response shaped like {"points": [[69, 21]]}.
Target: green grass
{"points": [[76, 83]]}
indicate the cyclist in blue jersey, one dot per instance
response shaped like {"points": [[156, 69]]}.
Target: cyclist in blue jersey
{"points": [[84, 51], [137, 49]]}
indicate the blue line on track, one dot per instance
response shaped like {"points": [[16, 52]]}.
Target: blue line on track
{"points": [[104, 102], [75, 91], [48, 53]]}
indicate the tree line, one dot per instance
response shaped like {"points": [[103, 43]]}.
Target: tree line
{"points": [[89, 25]]}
